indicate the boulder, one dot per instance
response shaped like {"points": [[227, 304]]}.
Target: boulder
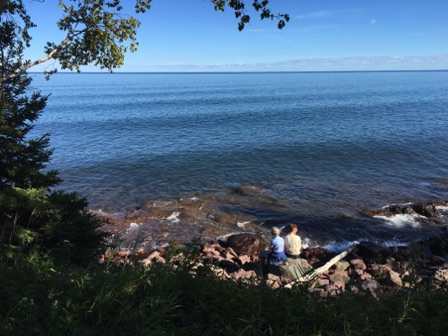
{"points": [[369, 250], [426, 209], [342, 265], [393, 279], [339, 276], [246, 243], [358, 265]]}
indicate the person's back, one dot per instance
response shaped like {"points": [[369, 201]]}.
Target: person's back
{"points": [[292, 242], [276, 248]]}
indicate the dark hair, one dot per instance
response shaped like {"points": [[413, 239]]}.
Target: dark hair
{"points": [[291, 227]]}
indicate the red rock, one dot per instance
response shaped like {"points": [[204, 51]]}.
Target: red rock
{"points": [[244, 259], [365, 276], [323, 282], [393, 279], [339, 276], [246, 243], [380, 271], [358, 264]]}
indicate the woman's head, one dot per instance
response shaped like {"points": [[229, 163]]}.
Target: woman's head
{"points": [[275, 231]]}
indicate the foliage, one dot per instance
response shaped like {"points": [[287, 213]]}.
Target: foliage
{"points": [[169, 299], [98, 32], [241, 12], [30, 215]]}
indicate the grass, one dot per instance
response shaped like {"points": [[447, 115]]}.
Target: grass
{"points": [[111, 299]]}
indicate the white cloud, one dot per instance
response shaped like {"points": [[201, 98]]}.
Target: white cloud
{"points": [[373, 21], [324, 14], [436, 62]]}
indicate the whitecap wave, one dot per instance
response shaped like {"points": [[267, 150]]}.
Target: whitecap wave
{"points": [[338, 247], [402, 220], [174, 217], [242, 224]]}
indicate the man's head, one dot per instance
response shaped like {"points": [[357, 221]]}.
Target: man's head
{"points": [[292, 228]]}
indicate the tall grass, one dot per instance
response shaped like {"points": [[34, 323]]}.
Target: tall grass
{"points": [[111, 299]]}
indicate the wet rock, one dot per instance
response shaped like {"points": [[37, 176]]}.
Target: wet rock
{"points": [[246, 243], [369, 250], [426, 209], [378, 212]]}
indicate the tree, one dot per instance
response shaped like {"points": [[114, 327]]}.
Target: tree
{"points": [[30, 214], [97, 32]]}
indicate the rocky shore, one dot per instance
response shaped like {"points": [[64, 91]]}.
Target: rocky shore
{"points": [[365, 267]]}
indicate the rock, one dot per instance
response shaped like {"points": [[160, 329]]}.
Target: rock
{"points": [[369, 285], [228, 264], [339, 276], [393, 279], [242, 274], [441, 275], [423, 209], [246, 243], [369, 250], [320, 292], [426, 209], [316, 254], [323, 282], [358, 266], [393, 264], [380, 271], [273, 284], [382, 212], [229, 254], [342, 265], [365, 276]]}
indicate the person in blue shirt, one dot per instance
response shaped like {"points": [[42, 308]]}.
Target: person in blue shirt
{"points": [[275, 254]]}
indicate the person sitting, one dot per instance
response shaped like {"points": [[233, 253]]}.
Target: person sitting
{"points": [[293, 243], [276, 252]]}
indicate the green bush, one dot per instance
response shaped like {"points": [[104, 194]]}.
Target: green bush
{"points": [[169, 299]]}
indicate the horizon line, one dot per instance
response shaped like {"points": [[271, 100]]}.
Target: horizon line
{"points": [[231, 72]]}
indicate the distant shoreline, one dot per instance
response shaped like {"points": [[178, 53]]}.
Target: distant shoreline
{"points": [[227, 72]]}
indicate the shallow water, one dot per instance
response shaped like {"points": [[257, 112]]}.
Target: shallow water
{"points": [[323, 146]]}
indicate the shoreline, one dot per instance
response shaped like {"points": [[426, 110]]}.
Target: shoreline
{"points": [[159, 222]]}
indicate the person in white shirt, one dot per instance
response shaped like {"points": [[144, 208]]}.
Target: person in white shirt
{"points": [[293, 243]]}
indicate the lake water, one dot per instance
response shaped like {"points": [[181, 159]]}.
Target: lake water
{"points": [[323, 145]]}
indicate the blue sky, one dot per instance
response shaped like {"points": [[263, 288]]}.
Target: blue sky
{"points": [[323, 35]]}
